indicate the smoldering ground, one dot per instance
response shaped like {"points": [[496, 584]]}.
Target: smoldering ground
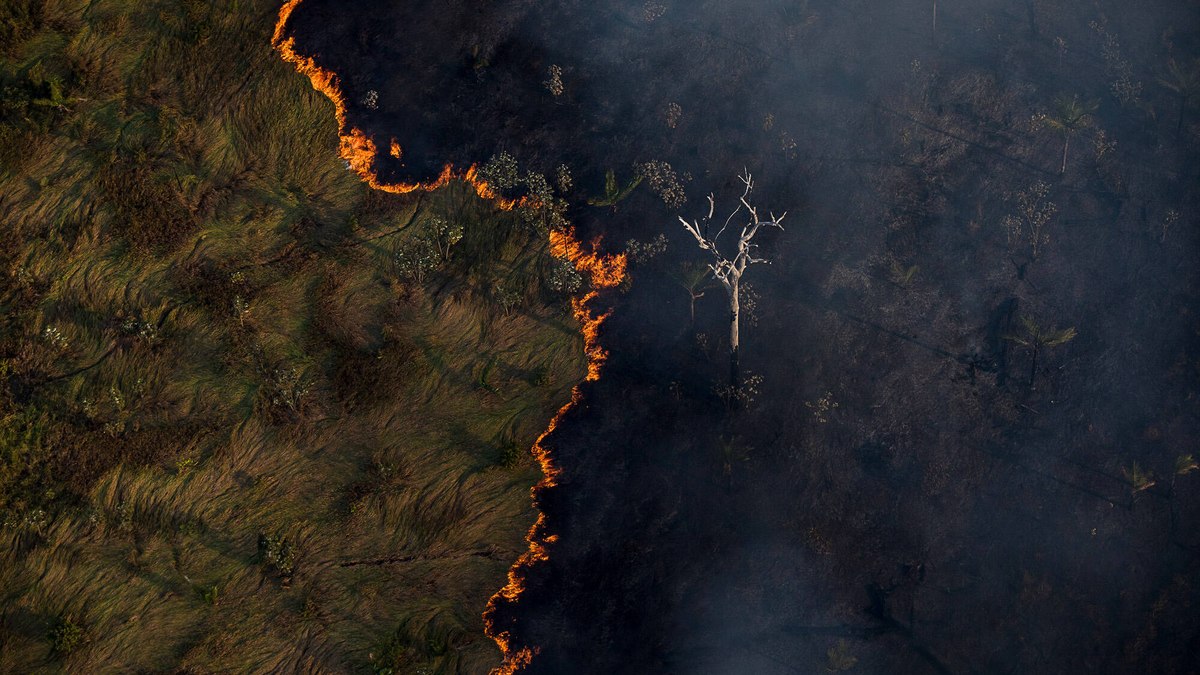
{"points": [[922, 482]]}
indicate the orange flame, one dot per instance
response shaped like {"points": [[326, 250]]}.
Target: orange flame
{"points": [[539, 540], [604, 271], [354, 145]]}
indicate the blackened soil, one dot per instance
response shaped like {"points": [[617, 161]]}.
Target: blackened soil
{"points": [[909, 490]]}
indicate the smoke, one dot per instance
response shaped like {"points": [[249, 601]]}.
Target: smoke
{"points": [[902, 495]]}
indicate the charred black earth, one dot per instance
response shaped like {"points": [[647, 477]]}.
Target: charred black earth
{"points": [[935, 473]]}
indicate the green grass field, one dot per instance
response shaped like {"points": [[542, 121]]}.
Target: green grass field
{"points": [[238, 432]]}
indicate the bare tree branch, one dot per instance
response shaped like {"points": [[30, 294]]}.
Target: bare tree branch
{"points": [[729, 270]]}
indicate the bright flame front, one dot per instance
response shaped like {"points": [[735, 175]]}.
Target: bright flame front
{"points": [[604, 272]]}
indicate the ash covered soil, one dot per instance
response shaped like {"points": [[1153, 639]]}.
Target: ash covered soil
{"points": [[934, 473]]}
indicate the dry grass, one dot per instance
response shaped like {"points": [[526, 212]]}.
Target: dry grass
{"points": [[203, 344]]}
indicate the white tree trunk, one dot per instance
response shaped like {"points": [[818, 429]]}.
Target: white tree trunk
{"points": [[734, 312]]}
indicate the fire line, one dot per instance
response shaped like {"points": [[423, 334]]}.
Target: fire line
{"points": [[604, 271]]}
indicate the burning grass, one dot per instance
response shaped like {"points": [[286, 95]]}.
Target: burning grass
{"points": [[356, 147], [603, 271]]}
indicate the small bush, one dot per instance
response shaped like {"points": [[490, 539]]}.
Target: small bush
{"points": [[414, 260], [209, 594], [444, 235], [510, 295], [288, 391], [278, 555], [509, 454], [65, 636], [840, 657], [564, 278], [540, 377], [501, 172]]}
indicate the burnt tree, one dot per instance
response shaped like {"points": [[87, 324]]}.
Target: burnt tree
{"points": [[729, 269]]}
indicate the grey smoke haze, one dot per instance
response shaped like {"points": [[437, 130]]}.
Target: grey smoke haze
{"points": [[951, 513]]}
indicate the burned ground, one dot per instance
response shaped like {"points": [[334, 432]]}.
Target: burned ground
{"points": [[910, 490]]}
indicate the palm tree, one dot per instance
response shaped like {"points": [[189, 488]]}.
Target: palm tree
{"points": [[1037, 338], [1069, 117], [56, 97], [693, 278], [1139, 479], [733, 451], [1185, 464], [1185, 82], [613, 192]]}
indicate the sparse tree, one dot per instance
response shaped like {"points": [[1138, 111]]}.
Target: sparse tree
{"points": [[841, 658], [65, 636], [903, 276], [546, 210], [510, 295], [1184, 82], [1124, 87], [501, 172], [415, 259], [444, 236], [729, 269], [645, 251], [613, 192], [1070, 116], [1029, 224], [664, 182], [563, 179], [674, 114], [1185, 464], [1037, 338], [1139, 479], [563, 277], [694, 279], [1031, 17], [734, 451]]}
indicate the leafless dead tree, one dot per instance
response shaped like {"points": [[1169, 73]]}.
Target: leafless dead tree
{"points": [[729, 269]]}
